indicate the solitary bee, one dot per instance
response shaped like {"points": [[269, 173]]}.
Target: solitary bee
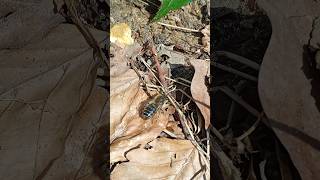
{"points": [[152, 106]]}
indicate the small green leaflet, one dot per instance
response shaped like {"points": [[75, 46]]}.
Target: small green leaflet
{"points": [[168, 5]]}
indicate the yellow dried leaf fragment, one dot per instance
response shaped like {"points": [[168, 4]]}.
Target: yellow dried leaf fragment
{"points": [[121, 35]]}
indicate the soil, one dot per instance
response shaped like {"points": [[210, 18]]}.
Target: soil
{"points": [[94, 13], [137, 14]]}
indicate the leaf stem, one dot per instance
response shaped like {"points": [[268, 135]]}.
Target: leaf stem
{"points": [[177, 27]]}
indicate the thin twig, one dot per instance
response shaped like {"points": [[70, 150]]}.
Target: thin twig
{"points": [[226, 163], [234, 71], [148, 3], [177, 27], [244, 104], [158, 66], [153, 86], [239, 100], [195, 127], [170, 133], [239, 59], [176, 81], [250, 130], [182, 79], [208, 144], [217, 133], [238, 88], [194, 100], [183, 119]]}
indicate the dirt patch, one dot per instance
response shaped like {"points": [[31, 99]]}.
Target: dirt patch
{"points": [[138, 14]]}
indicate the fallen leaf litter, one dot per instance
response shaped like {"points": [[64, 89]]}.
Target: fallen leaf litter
{"points": [[131, 131]]}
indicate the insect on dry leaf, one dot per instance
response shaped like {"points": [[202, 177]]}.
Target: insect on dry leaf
{"points": [[128, 128], [140, 113]]}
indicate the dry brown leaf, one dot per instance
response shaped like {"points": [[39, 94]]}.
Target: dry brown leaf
{"points": [[199, 89], [50, 109], [167, 159], [128, 129], [24, 22], [137, 132], [119, 63], [175, 129], [293, 101], [43, 87], [59, 4], [123, 91], [206, 38]]}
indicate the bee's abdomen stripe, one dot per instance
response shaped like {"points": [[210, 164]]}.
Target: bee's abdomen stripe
{"points": [[150, 110], [148, 113], [152, 107]]}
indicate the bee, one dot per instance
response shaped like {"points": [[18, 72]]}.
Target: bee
{"points": [[152, 106]]}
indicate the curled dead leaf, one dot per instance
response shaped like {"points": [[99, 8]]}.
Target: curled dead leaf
{"points": [[137, 132], [171, 110], [205, 40], [131, 134], [199, 89], [175, 129], [165, 159], [128, 129], [50, 106]]}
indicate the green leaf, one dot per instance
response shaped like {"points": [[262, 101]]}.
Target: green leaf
{"points": [[168, 5]]}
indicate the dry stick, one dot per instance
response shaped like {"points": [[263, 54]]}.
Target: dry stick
{"points": [[200, 123], [193, 141], [262, 166], [177, 27], [148, 3], [170, 133], [239, 59], [184, 124], [175, 80], [194, 100], [215, 131], [180, 78], [250, 130], [153, 87], [239, 100], [217, 134], [161, 85], [238, 88], [183, 120], [234, 71], [193, 123], [230, 116], [208, 144], [137, 71], [173, 88], [160, 70], [225, 161]]}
